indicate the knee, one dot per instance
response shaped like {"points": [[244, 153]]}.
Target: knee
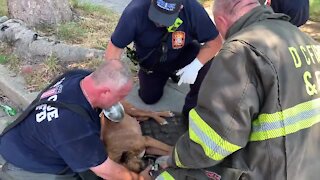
{"points": [[150, 98]]}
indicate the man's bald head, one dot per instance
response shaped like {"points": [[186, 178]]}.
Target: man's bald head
{"points": [[227, 12], [112, 72], [108, 84]]}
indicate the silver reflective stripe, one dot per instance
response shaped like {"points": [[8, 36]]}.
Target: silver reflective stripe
{"points": [[209, 142], [286, 122]]}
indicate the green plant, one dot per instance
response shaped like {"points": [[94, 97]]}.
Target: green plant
{"points": [[101, 45], [45, 72], [13, 63], [7, 57], [315, 10], [52, 65], [3, 8], [71, 31], [3, 59], [74, 3], [90, 8], [45, 30], [91, 64], [36, 80]]}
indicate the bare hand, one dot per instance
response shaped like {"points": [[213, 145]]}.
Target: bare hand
{"points": [[144, 175]]}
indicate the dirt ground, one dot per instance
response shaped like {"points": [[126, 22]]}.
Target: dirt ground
{"points": [[313, 29]]}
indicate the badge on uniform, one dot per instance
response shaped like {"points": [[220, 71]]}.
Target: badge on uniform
{"points": [[178, 39]]}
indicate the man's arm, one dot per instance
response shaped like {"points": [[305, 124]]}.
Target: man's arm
{"points": [[123, 34], [204, 31], [209, 49], [112, 170], [112, 52]]}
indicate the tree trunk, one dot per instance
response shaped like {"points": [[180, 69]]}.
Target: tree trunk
{"points": [[40, 12], [28, 45]]}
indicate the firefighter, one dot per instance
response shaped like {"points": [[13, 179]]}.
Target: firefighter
{"points": [[169, 35], [258, 110]]}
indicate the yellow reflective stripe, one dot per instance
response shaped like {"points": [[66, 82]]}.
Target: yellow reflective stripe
{"points": [[176, 157], [175, 25], [293, 111], [165, 176], [208, 151], [214, 146], [264, 135], [291, 120]]}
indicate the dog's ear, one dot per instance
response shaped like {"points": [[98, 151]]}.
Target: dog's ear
{"points": [[131, 161]]}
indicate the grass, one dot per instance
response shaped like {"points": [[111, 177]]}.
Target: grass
{"points": [[88, 7], [71, 32], [51, 68], [14, 63], [8, 58], [92, 28], [315, 10], [3, 8], [46, 71], [3, 59], [99, 23]]}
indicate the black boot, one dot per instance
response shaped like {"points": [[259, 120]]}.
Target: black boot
{"points": [[174, 77]]}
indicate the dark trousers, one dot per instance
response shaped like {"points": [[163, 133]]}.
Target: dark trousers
{"points": [[152, 84]]}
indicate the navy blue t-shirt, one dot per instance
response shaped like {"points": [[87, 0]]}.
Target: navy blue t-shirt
{"points": [[135, 26], [298, 10], [50, 139]]}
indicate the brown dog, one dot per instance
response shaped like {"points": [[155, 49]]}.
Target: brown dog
{"points": [[126, 145]]}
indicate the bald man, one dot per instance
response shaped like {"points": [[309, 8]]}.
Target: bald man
{"points": [[59, 137], [258, 110]]}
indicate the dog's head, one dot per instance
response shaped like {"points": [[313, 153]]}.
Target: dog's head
{"points": [[132, 161], [124, 145]]}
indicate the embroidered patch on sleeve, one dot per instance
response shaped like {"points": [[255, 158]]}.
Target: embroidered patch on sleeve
{"points": [[213, 175], [178, 39], [52, 91]]}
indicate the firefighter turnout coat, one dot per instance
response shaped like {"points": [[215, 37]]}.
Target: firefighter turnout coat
{"points": [[258, 109]]}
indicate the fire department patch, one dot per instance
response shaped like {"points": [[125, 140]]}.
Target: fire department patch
{"points": [[213, 175], [52, 91], [178, 39]]}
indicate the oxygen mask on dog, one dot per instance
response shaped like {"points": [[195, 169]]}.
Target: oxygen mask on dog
{"points": [[115, 113]]}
